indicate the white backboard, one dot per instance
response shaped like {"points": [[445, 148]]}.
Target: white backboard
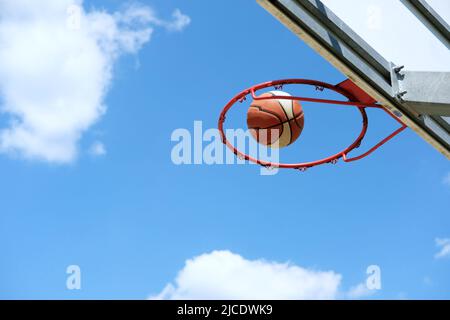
{"points": [[392, 30], [367, 39]]}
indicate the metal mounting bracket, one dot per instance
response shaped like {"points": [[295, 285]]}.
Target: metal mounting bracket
{"points": [[422, 92]]}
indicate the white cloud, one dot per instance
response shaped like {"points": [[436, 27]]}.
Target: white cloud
{"points": [[180, 21], [97, 149], [224, 275], [360, 291], [444, 245], [145, 14], [53, 78]]}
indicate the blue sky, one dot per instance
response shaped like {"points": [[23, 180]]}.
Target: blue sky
{"points": [[131, 218]]}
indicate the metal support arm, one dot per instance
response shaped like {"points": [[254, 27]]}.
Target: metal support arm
{"points": [[425, 93]]}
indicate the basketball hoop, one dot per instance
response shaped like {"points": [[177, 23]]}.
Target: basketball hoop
{"points": [[355, 96]]}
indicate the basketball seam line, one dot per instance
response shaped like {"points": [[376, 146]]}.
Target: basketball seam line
{"points": [[302, 114], [296, 122], [287, 117], [269, 112]]}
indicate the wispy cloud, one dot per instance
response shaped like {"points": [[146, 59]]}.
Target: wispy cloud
{"points": [[178, 23], [444, 246], [97, 149], [53, 78], [360, 291], [446, 179], [145, 14]]}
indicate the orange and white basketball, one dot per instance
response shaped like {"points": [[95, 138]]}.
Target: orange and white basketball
{"points": [[275, 122]]}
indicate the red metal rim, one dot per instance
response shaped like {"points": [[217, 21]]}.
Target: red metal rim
{"points": [[352, 101]]}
